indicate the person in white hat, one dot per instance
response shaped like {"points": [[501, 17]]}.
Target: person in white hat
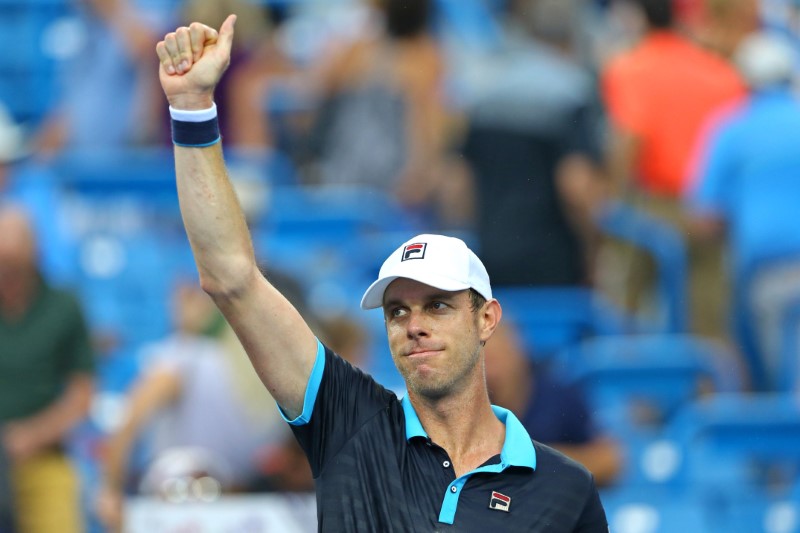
{"points": [[13, 145], [745, 188], [442, 458]]}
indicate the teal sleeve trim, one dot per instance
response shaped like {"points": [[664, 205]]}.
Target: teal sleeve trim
{"points": [[312, 388]]}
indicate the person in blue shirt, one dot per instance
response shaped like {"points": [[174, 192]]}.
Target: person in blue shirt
{"points": [[442, 458], [746, 185]]}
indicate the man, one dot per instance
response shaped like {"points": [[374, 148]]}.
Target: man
{"points": [[533, 148], [552, 410], [442, 458], [745, 187], [197, 397], [45, 383], [658, 95]]}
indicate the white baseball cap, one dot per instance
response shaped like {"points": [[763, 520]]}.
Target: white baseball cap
{"points": [[765, 59], [12, 138], [436, 260]]}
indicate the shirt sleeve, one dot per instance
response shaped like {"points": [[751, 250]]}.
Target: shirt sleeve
{"points": [[593, 517], [339, 400], [623, 98]]}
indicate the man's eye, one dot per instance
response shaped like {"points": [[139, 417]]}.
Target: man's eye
{"points": [[397, 312], [438, 305]]}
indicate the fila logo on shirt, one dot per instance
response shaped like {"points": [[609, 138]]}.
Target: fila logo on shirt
{"points": [[414, 251], [499, 502]]}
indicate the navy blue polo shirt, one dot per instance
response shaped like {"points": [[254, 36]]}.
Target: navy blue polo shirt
{"points": [[376, 469]]}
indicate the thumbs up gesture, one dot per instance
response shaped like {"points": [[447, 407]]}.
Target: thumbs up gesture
{"points": [[192, 61]]}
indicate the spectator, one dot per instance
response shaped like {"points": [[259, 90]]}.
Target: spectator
{"points": [[658, 95], [32, 185], [46, 377], [12, 144], [256, 61], [381, 119], [553, 412], [109, 89], [727, 23], [745, 187], [197, 403], [532, 142]]}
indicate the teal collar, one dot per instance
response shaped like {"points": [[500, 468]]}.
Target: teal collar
{"points": [[517, 448]]}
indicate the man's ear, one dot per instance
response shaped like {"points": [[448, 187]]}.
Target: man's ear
{"points": [[489, 319]]}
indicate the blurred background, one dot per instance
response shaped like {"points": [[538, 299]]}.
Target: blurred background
{"points": [[627, 169]]}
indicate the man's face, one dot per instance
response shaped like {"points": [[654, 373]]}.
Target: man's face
{"points": [[17, 254], [434, 336]]}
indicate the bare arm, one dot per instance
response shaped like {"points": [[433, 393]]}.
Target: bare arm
{"points": [[149, 395], [26, 437], [582, 192], [602, 457], [279, 343]]}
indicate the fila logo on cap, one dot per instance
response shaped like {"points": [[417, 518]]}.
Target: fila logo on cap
{"points": [[499, 502], [414, 251]]}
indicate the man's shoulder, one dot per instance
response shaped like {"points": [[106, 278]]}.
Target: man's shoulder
{"points": [[553, 464], [356, 379]]}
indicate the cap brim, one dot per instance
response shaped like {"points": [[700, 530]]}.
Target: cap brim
{"points": [[373, 296]]}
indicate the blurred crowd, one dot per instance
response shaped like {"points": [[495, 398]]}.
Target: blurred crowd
{"points": [[562, 138]]}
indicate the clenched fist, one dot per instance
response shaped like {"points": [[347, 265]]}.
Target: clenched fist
{"points": [[192, 61]]}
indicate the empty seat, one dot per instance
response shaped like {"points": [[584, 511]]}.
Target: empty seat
{"points": [[643, 379]]}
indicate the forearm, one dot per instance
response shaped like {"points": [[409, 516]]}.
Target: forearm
{"points": [[214, 221], [151, 393], [601, 457], [116, 457], [51, 425]]}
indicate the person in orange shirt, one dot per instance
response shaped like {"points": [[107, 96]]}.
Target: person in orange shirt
{"points": [[658, 95]]}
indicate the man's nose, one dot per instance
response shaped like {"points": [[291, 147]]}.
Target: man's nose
{"points": [[417, 325]]}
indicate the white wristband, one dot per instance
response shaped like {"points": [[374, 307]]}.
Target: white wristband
{"points": [[194, 115]]}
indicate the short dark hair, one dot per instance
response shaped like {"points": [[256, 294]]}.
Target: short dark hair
{"points": [[476, 300], [658, 13]]}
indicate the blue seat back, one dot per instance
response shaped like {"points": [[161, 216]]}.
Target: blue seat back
{"points": [[667, 248], [650, 375]]}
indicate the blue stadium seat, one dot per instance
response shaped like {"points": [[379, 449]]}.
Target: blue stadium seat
{"points": [[633, 510], [28, 73], [789, 355], [667, 248], [739, 442], [759, 510], [551, 319], [641, 380], [744, 319], [335, 212]]}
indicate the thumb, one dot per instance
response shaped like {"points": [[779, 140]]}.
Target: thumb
{"points": [[225, 39]]}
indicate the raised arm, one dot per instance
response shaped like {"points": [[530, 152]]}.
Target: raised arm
{"points": [[279, 343]]}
